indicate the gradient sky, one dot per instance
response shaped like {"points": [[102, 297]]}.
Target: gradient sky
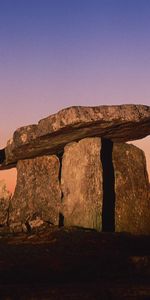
{"points": [[58, 53]]}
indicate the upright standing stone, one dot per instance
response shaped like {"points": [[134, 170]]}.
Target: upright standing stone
{"points": [[81, 184], [37, 192], [132, 189]]}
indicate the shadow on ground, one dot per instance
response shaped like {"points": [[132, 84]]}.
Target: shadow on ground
{"points": [[74, 263]]}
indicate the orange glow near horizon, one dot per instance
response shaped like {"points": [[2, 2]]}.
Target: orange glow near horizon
{"points": [[10, 178]]}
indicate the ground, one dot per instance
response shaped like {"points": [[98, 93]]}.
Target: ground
{"points": [[74, 263]]}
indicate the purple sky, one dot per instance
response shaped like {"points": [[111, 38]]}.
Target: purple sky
{"points": [[58, 53]]}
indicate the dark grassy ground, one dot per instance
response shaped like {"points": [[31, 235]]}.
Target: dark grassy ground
{"points": [[72, 263]]}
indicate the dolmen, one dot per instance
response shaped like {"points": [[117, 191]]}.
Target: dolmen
{"points": [[75, 168]]}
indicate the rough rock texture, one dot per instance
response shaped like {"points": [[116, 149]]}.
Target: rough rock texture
{"points": [[118, 123], [78, 201], [37, 195], [81, 184], [132, 189], [5, 196]]}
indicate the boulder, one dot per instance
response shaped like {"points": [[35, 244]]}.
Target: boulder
{"points": [[81, 183], [37, 196], [87, 199], [132, 205], [118, 123], [5, 197]]}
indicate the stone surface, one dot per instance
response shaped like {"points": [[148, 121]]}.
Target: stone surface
{"points": [[37, 195], [118, 123], [5, 196], [132, 189], [17, 227], [81, 184]]}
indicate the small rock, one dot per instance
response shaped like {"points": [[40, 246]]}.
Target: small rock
{"points": [[16, 227]]}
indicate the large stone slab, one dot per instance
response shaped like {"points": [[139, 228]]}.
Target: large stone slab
{"points": [[81, 184], [132, 189], [118, 123], [37, 195]]}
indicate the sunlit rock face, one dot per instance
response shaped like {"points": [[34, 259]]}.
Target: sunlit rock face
{"points": [[83, 190], [37, 195], [81, 183], [132, 205], [72, 188], [98, 182], [5, 196], [118, 123]]}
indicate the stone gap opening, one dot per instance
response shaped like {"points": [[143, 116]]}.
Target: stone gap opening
{"points": [[10, 178], [7, 186], [2, 156], [61, 216], [108, 207]]}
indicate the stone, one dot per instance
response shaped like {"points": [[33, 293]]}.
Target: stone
{"points": [[81, 183], [17, 227], [82, 187], [5, 197], [37, 196], [118, 123], [36, 223], [132, 205]]}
